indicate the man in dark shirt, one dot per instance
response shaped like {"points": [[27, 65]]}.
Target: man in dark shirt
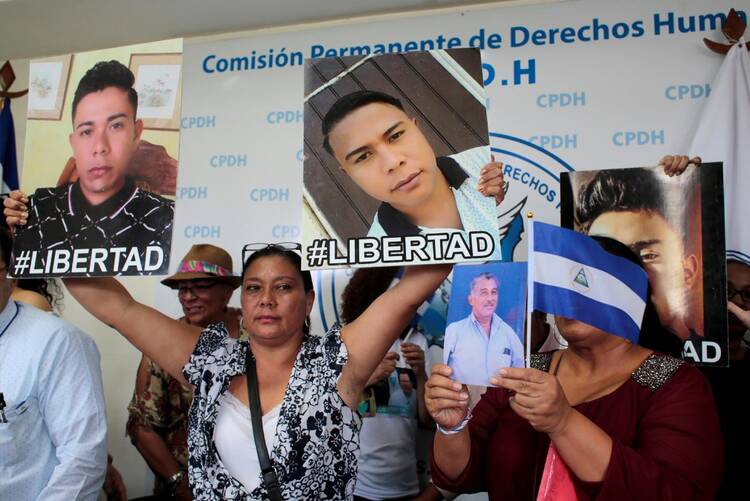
{"points": [[102, 224]]}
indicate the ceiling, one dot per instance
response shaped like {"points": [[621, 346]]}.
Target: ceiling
{"points": [[38, 28]]}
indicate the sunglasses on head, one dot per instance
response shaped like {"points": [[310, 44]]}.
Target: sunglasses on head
{"points": [[250, 249]]}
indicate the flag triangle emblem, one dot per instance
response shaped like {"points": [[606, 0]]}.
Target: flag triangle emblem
{"points": [[581, 278]]}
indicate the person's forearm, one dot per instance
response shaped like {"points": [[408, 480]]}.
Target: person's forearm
{"points": [[584, 447], [452, 453], [369, 336], [156, 453], [419, 282], [166, 341], [103, 297]]}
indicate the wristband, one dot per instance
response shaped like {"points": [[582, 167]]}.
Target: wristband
{"points": [[458, 428]]}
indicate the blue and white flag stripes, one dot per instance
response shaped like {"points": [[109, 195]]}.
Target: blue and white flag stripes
{"points": [[8, 150], [570, 275]]}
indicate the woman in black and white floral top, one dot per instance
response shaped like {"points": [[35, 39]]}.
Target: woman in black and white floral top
{"points": [[309, 385]]}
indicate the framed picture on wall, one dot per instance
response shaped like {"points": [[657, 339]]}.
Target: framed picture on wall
{"points": [[48, 82], [158, 82]]}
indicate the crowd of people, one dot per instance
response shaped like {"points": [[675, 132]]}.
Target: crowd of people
{"points": [[251, 403], [629, 422]]}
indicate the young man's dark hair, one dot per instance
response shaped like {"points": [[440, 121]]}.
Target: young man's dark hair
{"points": [[107, 74], [618, 190], [350, 102]]}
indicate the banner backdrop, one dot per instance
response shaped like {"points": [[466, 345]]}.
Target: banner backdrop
{"points": [[570, 86]]}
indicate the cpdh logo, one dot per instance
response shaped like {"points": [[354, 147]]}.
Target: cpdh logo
{"points": [[533, 176]]}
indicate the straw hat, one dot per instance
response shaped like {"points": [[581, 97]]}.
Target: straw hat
{"points": [[204, 261]]}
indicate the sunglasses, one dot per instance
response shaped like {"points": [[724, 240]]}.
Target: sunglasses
{"points": [[249, 249], [197, 288]]}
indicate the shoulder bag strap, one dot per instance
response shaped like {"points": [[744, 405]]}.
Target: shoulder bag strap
{"points": [[256, 416]]}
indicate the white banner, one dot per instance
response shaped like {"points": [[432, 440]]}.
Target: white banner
{"points": [[722, 134], [570, 86]]}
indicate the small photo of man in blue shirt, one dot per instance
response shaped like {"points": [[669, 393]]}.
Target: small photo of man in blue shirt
{"points": [[480, 344]]}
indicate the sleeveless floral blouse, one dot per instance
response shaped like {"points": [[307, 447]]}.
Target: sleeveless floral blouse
{"points": [[316, 445]]}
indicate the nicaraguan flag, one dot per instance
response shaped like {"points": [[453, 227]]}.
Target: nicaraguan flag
{"points": [[570, 275], [8, 150]]}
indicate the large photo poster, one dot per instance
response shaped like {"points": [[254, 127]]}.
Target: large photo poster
{"points": [[675, 225], [100, 170], [397, 160]]}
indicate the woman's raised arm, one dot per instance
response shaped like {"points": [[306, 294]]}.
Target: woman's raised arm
{"points": [[369, 337], [167, 341]]}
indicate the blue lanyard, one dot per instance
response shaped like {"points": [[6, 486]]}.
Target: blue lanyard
{"points": [[18, 308]]}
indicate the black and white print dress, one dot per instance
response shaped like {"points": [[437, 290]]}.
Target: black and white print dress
{"points": [[316, 445]]}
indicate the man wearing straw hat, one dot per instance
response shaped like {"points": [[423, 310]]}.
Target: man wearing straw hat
{"points": [[157, 424]]}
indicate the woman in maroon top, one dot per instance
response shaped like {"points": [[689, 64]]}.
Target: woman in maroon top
{"points": [[629, 423]]}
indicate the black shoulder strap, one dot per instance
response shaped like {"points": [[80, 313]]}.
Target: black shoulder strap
{"points": [[256, 416]]}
